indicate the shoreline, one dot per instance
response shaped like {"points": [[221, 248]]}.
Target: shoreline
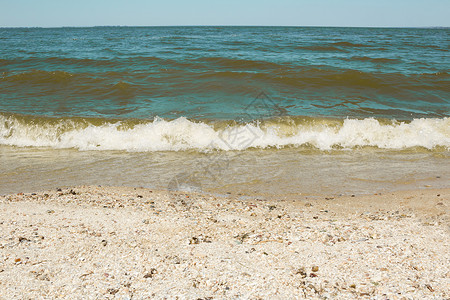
{"points": [[124, 242]]}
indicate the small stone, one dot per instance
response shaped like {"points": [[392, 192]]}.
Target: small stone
{"points": [[301, 271], [150, 274], [429, 287], [112, 291], [193, 241], [104, 242], [315, 268], [312, 287], [43, 277], [200, 239], [17, 260], [313, 275], [50, 211], [353, 286]]}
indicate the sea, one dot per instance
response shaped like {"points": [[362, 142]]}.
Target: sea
{"points": [[249, 111]]}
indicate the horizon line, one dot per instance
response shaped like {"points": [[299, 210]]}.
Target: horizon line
{"points": [[317, 26]]}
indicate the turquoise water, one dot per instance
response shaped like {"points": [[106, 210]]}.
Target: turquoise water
{"points": [[215, 72], [177, 96]]}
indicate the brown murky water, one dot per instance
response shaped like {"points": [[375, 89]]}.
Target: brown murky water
{"points": [[275, 172]]}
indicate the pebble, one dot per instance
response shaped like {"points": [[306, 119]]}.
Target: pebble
{"points": [[429, 287], [301, 271], [112, 291], [150, 274]]}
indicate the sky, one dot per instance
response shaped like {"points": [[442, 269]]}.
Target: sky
{"points": [[364, 13]]}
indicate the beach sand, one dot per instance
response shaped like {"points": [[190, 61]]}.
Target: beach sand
{"points": [[134, 243]]}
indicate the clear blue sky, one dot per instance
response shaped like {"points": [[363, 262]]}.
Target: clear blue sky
{"points": [[55, 13]]}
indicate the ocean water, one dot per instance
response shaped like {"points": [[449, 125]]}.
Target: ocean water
{"points": [[248, 110]]}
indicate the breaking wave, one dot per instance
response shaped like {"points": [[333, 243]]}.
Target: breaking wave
{"points": [[182, 134]]}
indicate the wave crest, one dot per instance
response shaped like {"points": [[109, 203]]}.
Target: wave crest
{"points": [[182, 134]]}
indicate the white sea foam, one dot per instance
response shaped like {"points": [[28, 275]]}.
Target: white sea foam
{"points": [[183, 134]]}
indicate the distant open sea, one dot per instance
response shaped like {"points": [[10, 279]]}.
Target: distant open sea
{"points": [[248, 110]]}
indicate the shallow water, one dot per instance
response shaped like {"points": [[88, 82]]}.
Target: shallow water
{"points": [[254, 172]]}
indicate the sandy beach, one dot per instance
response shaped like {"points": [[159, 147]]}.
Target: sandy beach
{"points": [[134, 243]]}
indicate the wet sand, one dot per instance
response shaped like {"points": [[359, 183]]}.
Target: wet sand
{"points": [[119, 242]]}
